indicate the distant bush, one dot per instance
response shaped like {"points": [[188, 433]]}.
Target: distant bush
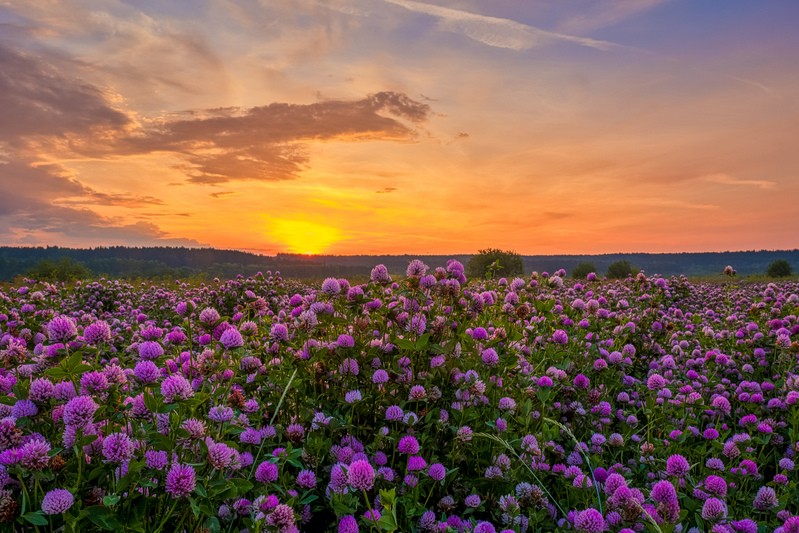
{"points": [[620, 269], [582, 270], [65, 269], [491, 261], [779, 269]]}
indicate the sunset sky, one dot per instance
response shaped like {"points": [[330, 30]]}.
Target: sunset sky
{"points": [[401, 126]]}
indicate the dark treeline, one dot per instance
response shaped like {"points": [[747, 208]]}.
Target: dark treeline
{"points": [[169, 262]]}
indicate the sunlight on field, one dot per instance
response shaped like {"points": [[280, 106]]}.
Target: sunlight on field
{"points": [[303, 236]]}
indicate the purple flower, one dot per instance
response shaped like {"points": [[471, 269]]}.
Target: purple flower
{"points": [[279, 332], [61, 329], [97, 332], [380, 376], [93, 382], [231, 338], [746, 525], [361, 475], [79, 411], [589, 521], [150, 350], [266, 472], [380, 274], [677, 466], [155, 459], [489, 357], [282, 517], [146, 372], [714, 510], [34, 454], [220, 455], [716, 486], [348, 524], [416, 463], [209, 316], [331, 286], [484, 527], [220, 413], [306, 479], [23, 408], [394, 413], [416, 269], [437, 471], [409, 445], [176, 387], [472, 500], [118, 447], [57, 501], [765, 499], [345, 341], [42, 389], [560, 337], [180, 480], [664, 492]]}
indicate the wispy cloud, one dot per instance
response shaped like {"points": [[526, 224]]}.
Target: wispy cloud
{"points": [[496, 31], [604, 13], [726, 179]]}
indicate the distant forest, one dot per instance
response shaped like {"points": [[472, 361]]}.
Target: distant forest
{"points": [[167, 262]]}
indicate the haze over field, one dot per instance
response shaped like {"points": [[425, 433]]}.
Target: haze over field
{"points": [[401, 126]]}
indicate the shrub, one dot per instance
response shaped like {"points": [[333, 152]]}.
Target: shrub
{"points": [[65, 269], [779, 269], [493, 261], [583, 269], [620, 269]]}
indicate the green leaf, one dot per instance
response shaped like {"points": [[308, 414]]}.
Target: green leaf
{"points": [[387, 523], [242, 485], [110, 500], [151, 402], [104, 517], [55, 373], [37, 518], [405, 344], [200, 490], [422, 341], [213, 525]]}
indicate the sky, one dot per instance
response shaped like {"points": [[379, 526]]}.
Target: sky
{"points": [[401, 126]]}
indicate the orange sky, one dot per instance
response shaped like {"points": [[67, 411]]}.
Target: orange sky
{"points": [[401, 126]]}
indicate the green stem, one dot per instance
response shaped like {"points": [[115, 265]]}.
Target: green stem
{"points": [[277, 410], [585, 456], [166, 517]]}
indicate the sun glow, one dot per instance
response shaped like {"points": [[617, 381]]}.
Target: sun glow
{"points": [[303, 236]]}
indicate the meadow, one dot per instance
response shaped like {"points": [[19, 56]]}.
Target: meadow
{"points": [[427, 402]]}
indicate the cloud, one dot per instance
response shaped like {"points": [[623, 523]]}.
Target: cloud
{"points": [[267, 143], [37, 99], [603, 13], [386, 190], [40, 201], [726, 179], [495, 31]]}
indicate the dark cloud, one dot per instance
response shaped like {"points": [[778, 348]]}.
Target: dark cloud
{"points": [[266, 143], [386, 190], [37, 99]]}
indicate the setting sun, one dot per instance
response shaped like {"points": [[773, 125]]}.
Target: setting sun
{"points": [[303, 236]]}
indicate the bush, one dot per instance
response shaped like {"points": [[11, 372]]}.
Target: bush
{"points": [[779, 269], [582, 270], [620, 269], [65, 269], [489, 262]]}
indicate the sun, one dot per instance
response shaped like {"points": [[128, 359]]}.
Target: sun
{"points": [[303, 236]]}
